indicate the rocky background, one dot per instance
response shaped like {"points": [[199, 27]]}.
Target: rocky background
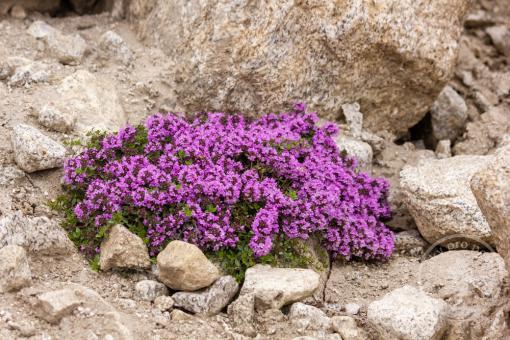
{"points": [[420, 89]]}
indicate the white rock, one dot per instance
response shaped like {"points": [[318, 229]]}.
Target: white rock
{"points": [[54, 305], [35, 234], [360, 150], [209, 301], [14, 269], [347, 328], [500, 36], [182, 266], [242, 314], [276, 287], [408, 313], [39, 29], [439, 198], [92, 101], [448, 115], [9, 174], [149, 290], [444, 148], [163, 302], [34, 72], [114, 44], [122, 249], [34, 151], [52, 118], [353, 118], [352, 308], [308, 318]]}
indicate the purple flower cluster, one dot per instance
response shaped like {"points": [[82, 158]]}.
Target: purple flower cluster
{"points": [[210, 178]]}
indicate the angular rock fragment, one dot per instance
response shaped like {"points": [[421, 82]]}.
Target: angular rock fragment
{"points": [[149, 290], [14, 269]]}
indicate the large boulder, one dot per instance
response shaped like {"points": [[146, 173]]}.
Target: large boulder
{"points": [[14, 269], [408, 313], [277, 287], [391, 56], [491, 187], [182, 266], [34, 151], [439, 198], [123, 250]]}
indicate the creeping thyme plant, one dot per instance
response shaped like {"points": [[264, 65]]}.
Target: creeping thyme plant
{"points": [[243, 190]]}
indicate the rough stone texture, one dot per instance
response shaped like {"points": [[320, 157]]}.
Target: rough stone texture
{"points": [[163, 302], [149, 290], [438, 197], [179, 315], [448, 114], [444, 149], [347, 328], [209, 301], [491, 187], [54, 119], [410, 242], [352, 308], [276, 287], [53, 306], [353, 119], [92, 100], [242, 314], [114, 44], [14, 269], [34, 72], [240, 56], [500, 36], [35, 234], [469, 281], [67, 49], [123, 250], [34, 151], [182, 266], [408, 313], [308, 318], [360, 150]]}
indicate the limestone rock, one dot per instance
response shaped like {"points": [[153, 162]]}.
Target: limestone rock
{"points": [[408, 313], [276, 287], [114, 44], [242, 314], [239, 57], [209, 301], [308, 318], [448, 114], [360, 150], [14, 269], [461, 278], [182, 266], [35, 234], [67, 49], [438, 196], [93, 101], [52, 118], [347, 328], [164, 302], [491, 187], [123, 250], [34, 151], [149, 290], [500, 36]]}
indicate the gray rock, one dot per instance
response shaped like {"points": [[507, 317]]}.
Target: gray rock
{"points": [[34, 151], [276, 287], [439, 198], [408, 313], [410, 242], [149, 290], [448, 115], [353, 118], [444, 149], [92, 101], [179, 315], [34, 72], [491, 187], [35, 234], [39, 30], [14, 269], [54, 305], [360, 150], [209, 301], [352, 308], [352, 51], [242, 314], [122, 249], [347, 328], [164, 303], [500, 36], [115, 45], [9, 174], [52, 118], [182, 266], [308, 318]]}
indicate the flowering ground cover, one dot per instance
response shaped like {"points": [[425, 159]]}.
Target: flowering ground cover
{"points": [[241, 189]]}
